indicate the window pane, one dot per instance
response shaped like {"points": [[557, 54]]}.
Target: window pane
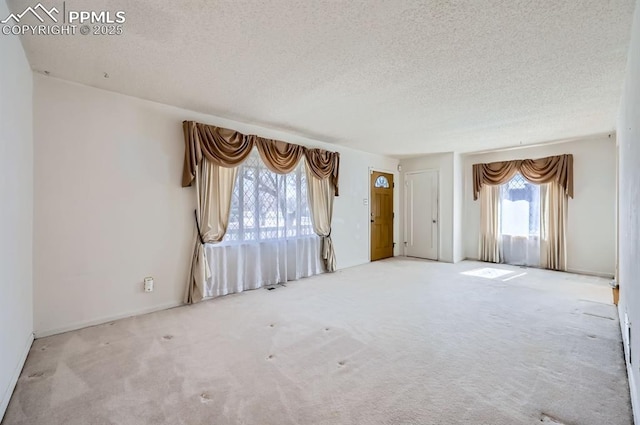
{"points": [[520, 213], [233, 229], [382, 181], [266, 205]]}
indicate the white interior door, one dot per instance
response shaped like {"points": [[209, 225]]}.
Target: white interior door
{"points": [[421, 224]]}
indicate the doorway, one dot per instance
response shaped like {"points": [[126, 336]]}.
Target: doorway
{"points": [[381, 215], [421, 206]]}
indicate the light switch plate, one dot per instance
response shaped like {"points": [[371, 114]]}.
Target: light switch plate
{"points": [[148, 284]]}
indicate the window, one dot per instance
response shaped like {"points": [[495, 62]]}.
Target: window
{"points": [[266, 205], [381, 181], [520, 215]]}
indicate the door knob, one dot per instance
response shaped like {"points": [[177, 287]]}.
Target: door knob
{"points": [[434, 222]]}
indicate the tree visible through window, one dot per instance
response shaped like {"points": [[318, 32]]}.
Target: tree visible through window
{"points": [[520, 212], [266, 205]]}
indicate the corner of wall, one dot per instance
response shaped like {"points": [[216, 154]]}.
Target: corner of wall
{"points": [[6, 397], [628, 190], [624, 329], [16, 213]]}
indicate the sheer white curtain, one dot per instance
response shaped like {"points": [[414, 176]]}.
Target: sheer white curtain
{"points": [[521, 250], [240, 266]]}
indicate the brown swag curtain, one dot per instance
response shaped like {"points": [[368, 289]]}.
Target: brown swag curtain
{"points": [[539, 171], [555, 175], [211, 157]]}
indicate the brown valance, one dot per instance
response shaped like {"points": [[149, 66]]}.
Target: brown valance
{"points": [[544, 170], [229, 148], [279, 157]]}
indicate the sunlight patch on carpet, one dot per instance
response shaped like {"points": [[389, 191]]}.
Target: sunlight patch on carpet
{"points": [[514, 277], [487, 273]]}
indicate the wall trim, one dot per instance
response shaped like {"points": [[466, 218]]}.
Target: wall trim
{"points": [[105, 319], [6, 397], [635, 407], [574, 271], [595, 136], [591, 273]]}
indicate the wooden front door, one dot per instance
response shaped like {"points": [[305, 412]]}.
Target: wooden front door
{"points": [[381, 215]]}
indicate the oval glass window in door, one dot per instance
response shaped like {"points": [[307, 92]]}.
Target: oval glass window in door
{"points": [[382, 181]]}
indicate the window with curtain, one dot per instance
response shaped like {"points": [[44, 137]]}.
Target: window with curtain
{"points": [[523, 223], [520, 221], [266, 205], [270, 237]]}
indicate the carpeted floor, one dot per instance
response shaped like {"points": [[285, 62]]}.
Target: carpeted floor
{"points": [[400, 341]]}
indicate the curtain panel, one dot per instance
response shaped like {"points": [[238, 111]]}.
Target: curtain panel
{"points": [[321, 207], [490, 244], [557, 169], [214, 190], [553, 229], [212, 155]]}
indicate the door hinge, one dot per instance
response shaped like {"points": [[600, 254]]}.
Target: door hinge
{"points": [[393, 185], [393, 215], [394, 244]]}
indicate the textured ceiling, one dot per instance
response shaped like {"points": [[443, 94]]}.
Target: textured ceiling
{"points": [[394, 77]]}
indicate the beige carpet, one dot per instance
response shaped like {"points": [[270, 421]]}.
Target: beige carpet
{"points": [[394, 342]]}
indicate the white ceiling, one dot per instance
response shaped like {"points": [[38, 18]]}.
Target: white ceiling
{"points": [[399, 77]]}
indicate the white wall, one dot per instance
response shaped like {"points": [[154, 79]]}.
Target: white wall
{"points": [[629, 204], [444, 163], [16, 211], [591, 226], [109, 209]]}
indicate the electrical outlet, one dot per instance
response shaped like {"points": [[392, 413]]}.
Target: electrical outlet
{"points": [[148, 284]]}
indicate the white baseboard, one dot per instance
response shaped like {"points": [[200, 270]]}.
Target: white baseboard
{"points": [[591, 273], [104, 319], [4, 403], [574, 271], [634, 402], [635, 407]]}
